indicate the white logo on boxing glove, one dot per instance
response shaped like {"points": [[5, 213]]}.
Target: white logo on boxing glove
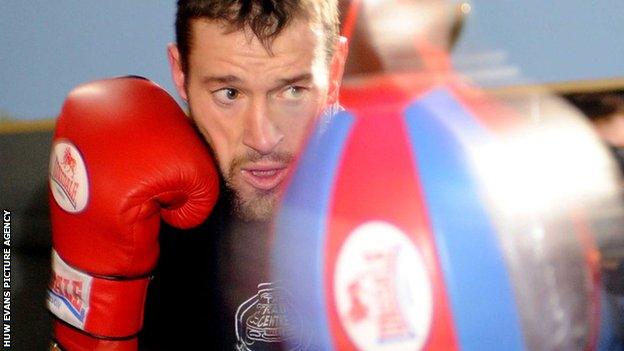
{"points": [[68, 177], [69, 293]]}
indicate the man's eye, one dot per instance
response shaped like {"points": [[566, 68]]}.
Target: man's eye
{"points": [[226, 95], [294, 92]]}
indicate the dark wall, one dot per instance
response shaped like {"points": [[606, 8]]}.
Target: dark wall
{"points": [[23, 191]]}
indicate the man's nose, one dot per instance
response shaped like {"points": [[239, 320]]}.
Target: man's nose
{"points": [[260, 131]]}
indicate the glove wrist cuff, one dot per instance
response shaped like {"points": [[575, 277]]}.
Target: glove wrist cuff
{"points": [[100, 306], [67, 338]]}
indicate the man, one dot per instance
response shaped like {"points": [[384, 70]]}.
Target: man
{"points": [[257, 75]]}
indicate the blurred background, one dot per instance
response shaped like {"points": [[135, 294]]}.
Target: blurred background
{"points": [[518, 50]]}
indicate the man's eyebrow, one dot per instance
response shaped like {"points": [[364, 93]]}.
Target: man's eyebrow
{"points": [[228, 79], [297, 78]]}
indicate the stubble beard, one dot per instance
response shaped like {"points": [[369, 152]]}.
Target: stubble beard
{"points": [[257, 205], [262, 204]]}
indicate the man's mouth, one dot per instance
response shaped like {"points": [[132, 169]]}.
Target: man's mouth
{"points": [[265, 176]]}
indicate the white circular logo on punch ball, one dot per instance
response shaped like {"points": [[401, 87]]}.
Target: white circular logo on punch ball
{"points": [[382, 290], [68, 177]]}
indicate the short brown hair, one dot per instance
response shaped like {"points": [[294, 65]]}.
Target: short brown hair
{"points": [[265, 18]]}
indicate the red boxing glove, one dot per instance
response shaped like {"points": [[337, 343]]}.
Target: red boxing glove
{"points": [[124, 155]]}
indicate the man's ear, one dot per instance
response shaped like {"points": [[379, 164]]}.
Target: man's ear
{"points": [[337, 69], [177, 73]]}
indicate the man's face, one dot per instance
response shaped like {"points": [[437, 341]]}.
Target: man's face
{"points": [[255, 108]]}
